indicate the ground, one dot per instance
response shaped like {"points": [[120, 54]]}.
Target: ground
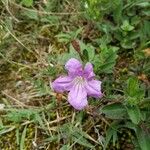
{"points": [[36, 40]]}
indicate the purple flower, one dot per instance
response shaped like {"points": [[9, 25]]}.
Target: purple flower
{"points": [[80, 83]]}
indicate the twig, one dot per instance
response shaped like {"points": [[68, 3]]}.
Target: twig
{"points": [[14, 99], [44, 12], [16, 38], [59, 119], [13, 62], [7, 8]]}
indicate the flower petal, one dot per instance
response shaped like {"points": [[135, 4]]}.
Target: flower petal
{"points": [[62, 84], [74, 67], [93, 88], [77, 97], [88, 71]]}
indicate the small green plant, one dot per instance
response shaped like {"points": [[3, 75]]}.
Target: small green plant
{"points": [[18, 116], [27, 3], [129, 114], [119, 21], [105, 61], [69, 36]]}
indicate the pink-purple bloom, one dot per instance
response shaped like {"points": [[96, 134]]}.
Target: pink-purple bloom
{"points": [[80, 83]]}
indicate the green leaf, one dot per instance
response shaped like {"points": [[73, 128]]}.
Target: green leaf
{"points": [[111, 133], [114, 111], [30, 14], [80, 139], [17, 136], [85, 55], [65, 147], [64, 37], [126, 26], [146, 12], [143, 139], [62, 59], [134, 114], [132, 86], [106, 67], [22, 141], [38, 118], [76, 134], [115, 137], [145, 30], [105, 61], [134, 93], [91, 52], [130, 125], [27, 3], [52, 138], [52, 20], [5, 130], [77, 32], [128, 44], [69, 36], [143, 4], [117, 13], [41, 87]]}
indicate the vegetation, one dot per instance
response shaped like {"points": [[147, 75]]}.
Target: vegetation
{"points": [[37, 37]]}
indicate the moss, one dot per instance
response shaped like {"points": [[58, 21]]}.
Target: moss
{"points": [[8, 141]]}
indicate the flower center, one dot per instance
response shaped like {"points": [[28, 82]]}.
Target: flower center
{"points": [[79, 80]]}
